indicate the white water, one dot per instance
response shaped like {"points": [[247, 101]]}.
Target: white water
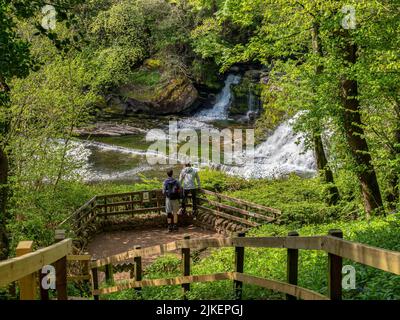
{"points": [[282, 153], [81, 151], [251, 105], [224, 99]]}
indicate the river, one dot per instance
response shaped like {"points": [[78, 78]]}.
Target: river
{"points": [[123, 159]]}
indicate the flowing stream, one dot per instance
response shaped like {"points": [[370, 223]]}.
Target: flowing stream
{"points": [[124, 158], [221, 108]]}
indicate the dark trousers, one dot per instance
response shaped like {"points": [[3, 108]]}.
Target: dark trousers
{"points": [[193, 194]]}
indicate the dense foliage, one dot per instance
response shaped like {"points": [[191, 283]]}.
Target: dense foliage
{"points": [[335, 64]]}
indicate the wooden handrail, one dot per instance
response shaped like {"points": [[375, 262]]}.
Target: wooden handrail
{"points": [[230, 217], [310, 243], [378, 258], [78, 211], [275, 285], [16, 268], [127, 193], [238, 210], [99, 207], [242, 202], [371, 256], [165, 282], [140, 210], [279, 286]]}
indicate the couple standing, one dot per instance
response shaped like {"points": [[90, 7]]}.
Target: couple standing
{"points": [[175, 190]]}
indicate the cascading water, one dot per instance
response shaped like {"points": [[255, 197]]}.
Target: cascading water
{"points": [[251, 106], [221, 108], [283, 152]]}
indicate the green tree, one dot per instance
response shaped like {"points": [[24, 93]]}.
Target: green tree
{"points": [[320, 68], [17, 62]]}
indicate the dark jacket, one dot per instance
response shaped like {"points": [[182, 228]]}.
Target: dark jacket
{"points": [[166, 182]]}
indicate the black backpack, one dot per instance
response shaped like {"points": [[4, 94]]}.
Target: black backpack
{"points": [[173, 190]]}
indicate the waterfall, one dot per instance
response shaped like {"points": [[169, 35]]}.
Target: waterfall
{"points": [[251, 100], [282, 153], [220, 110], [251, 103]]}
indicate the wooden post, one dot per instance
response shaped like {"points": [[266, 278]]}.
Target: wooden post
{"points": [[78, 221], [105, 207], [132, 271], [44, 293], [95, 280], [61, 270], [27, 285], [109, 274], [86, 269], [138, 268], [292, 265], [12, 290], [239, 267], [335, 270], [59, 235], [186, 267]]}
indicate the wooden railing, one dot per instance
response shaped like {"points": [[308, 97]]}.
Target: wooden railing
{"points": [[242, 212], [27, 271], [27, 267], [333, 244]]}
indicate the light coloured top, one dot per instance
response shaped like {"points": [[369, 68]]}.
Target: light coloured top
{"points": [[188, 178]]}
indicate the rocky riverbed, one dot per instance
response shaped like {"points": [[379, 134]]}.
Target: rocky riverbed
{"points": [[108, 129]]}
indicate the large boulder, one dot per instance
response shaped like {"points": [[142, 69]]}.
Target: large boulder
{"points": [[177, 96], [169, 97]]}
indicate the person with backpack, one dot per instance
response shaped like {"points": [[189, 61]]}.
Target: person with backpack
{"points": [[190, 180], [173, 192]]}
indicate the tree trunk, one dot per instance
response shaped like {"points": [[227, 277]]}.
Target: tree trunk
{"points": [[4, 241], [355, 135], [322, 163], [324, 170], [392, 196]]}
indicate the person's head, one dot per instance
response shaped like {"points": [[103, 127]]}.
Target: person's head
{"points": [[188, 165], [170, 173]]}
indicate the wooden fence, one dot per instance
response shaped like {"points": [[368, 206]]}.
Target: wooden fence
{"points": [[333, 244], [27, 266], [27, 269], [242, 212], [24, 268]]}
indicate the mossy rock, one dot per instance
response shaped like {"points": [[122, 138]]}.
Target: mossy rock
{"points": [[153, 64], [241, 92]]}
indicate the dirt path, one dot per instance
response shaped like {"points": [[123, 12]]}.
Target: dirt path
{"points": [[110, 243]]}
